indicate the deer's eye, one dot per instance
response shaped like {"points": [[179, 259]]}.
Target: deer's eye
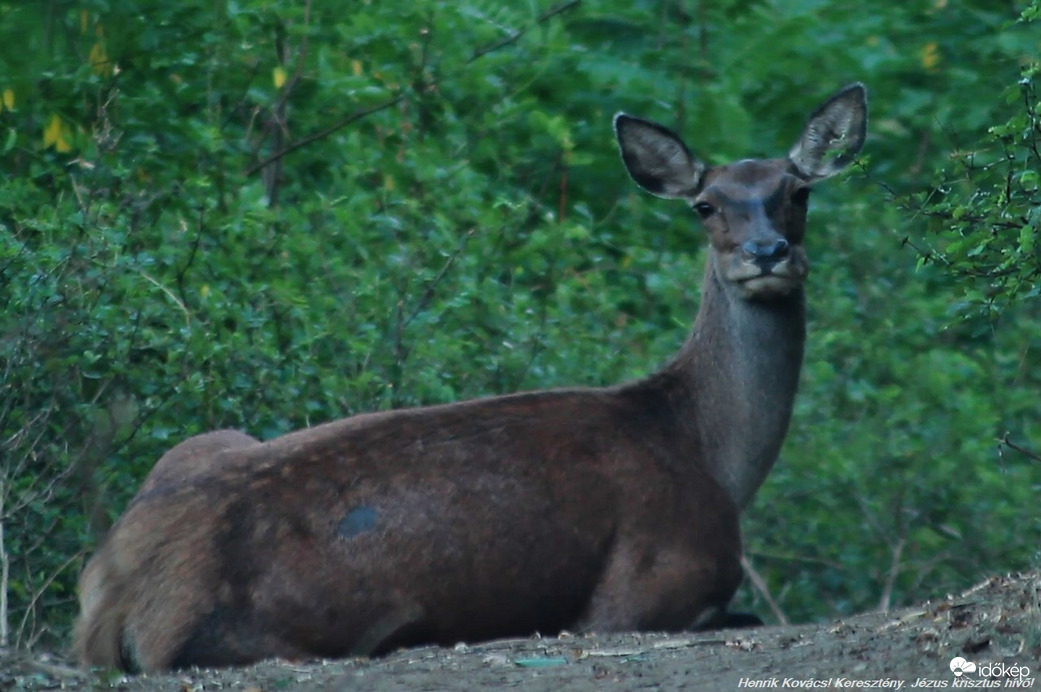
{"points": [[704, 209]]}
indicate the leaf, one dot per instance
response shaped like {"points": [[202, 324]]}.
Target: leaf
{"points": [[98, 60], [278, 76], [930, 56], [56, 135], [1029, 180], [1027, 235]]}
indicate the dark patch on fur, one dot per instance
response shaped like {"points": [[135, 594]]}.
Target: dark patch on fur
{"points": [[358, 520]]}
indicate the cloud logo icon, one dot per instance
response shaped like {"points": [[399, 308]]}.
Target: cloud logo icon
{"points": [[959, 666]]}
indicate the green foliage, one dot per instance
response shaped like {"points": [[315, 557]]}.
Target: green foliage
{"points": [[985, 213], [268, 215], [952, 484]]}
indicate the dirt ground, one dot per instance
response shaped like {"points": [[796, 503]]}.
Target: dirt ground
{"points": [[995, 625]]}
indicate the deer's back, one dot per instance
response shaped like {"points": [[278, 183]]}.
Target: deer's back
{"points": [[499, 517]]}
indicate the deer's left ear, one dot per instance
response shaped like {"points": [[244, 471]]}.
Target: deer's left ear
{"points": [[656, 158], [833, 136]]}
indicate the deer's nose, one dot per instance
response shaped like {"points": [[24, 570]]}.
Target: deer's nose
{"points": [[766, 254]]}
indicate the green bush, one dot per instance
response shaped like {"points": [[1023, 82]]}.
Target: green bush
{"points": [[242, 215]]}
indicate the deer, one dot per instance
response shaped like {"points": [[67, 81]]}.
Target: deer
{"points": [[598, 509]]}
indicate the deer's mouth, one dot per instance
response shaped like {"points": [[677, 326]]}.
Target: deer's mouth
{"points": [[765, 280]]}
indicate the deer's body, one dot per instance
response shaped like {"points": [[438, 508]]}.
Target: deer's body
{"points": [[599, 509]]}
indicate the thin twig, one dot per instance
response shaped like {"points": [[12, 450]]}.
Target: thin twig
{"points": [[278, 123], [760, 585], [798, 558], [894, 570], [516, 35], [322, 134], [172, 296], [301, 58], [432, 286], [53, 670], [31, 608], [1005, 442], [5, 574]]}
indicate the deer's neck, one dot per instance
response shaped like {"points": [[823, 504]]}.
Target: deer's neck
{"points": [[737, 375]]}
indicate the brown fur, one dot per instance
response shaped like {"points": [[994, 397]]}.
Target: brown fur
{"points": [[102, 611], [587, 509]]}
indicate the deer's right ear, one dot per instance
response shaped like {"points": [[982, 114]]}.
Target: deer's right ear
{"points": [[656, 158]]}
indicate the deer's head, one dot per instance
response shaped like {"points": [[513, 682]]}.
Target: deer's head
{"points": [[754, 210]]}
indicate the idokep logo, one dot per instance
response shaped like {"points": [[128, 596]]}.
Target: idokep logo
{"points": [[991, 674], [959, 666]]}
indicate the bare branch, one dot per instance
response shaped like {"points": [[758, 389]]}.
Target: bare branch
{"points": [[894, 570], [322, 134], [41, 590], [1006, 442], [432, 286], [516, 35], [759, 584]]}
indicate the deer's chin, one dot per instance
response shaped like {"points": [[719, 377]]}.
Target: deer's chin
{"points": [[767, 286]]}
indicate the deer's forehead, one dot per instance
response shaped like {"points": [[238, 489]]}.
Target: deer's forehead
{"points": [[750, 181]]}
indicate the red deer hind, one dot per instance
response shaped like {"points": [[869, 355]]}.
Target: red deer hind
{"points": [[598, 509]]}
